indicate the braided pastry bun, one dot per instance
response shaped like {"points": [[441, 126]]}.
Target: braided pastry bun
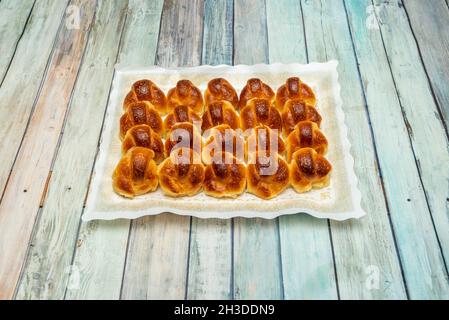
{"points": [[294, 88], [183, 135], [296, 111], [308, 170], [220, 89], [260, 111], [143, 136], [146, 90], [181, 114], [225, 176], [306, 135], [182, 173], [141, 113], [136, 173], [223, 138], [185, 94], [221, 112], [255, 88], [264, 140], [268, 176]]}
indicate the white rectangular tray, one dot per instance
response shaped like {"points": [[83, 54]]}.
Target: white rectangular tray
{"points": [[339, 201]]}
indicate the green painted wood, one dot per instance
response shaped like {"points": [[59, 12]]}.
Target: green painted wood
{"points": [[307, 262], [105, 243], [210, 263], [257, 269], [422, 262], [425, 127], [430, 24], [47, 272], [157, 259], [15, 108], [362, 248], [13, 20]]}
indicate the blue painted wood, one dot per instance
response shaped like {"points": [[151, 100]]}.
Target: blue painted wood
{"points": [[306, 251], [363, 248], [257, 270], [422, 262], [210, 264]]}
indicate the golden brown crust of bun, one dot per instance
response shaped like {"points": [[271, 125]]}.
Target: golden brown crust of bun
{"points": [[183, 135], [294, 88], [218, 113], [296, 111], [308, 170], [141, 113], [143, 136], [259, 111], [223, 138], [182, 173], [146, 90], [255, 88], [136, 173], [185, 94], [225, 176], [181, 114], [265, 140], [306, 135], [265, 179], [220, 89]]}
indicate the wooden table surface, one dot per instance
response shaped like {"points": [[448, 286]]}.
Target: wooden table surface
{"points": [[56, 67]]}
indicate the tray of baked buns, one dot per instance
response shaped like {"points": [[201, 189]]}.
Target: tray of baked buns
{"points": [[223, 142]]}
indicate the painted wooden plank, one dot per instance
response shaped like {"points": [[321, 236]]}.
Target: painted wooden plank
{"points": [[210, 263], [364, 248], [20, 201], [425, 127], [49, 261], [430, 25], [306, 251], [157, 260], [257, 270], [422, 262], [26, 71], [13, 20]]}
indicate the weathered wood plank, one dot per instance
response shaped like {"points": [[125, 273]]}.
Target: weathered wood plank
{"points": [[365, 247], [157, 260], [430, 24], [257, 270], [23, 194], [306, 250], [425, 127], [422, 262], [13, 20], [210, 264], [49, 261], [26, 71]]}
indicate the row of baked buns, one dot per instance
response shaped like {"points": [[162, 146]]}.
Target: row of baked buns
{"points": [[147, 104], [209, 151]]}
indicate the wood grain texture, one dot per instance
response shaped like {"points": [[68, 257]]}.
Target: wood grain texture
{"points": [[26, 71], [430, 24], [47, 272], [13, 19], [210, 263], [362, 248], [424, 125], [415, 235], [105, 242], [157, 260], [257, 269], [306, 251], [22, 196]]}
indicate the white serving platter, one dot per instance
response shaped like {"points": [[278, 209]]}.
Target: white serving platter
{"points": [[339, 201]]}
